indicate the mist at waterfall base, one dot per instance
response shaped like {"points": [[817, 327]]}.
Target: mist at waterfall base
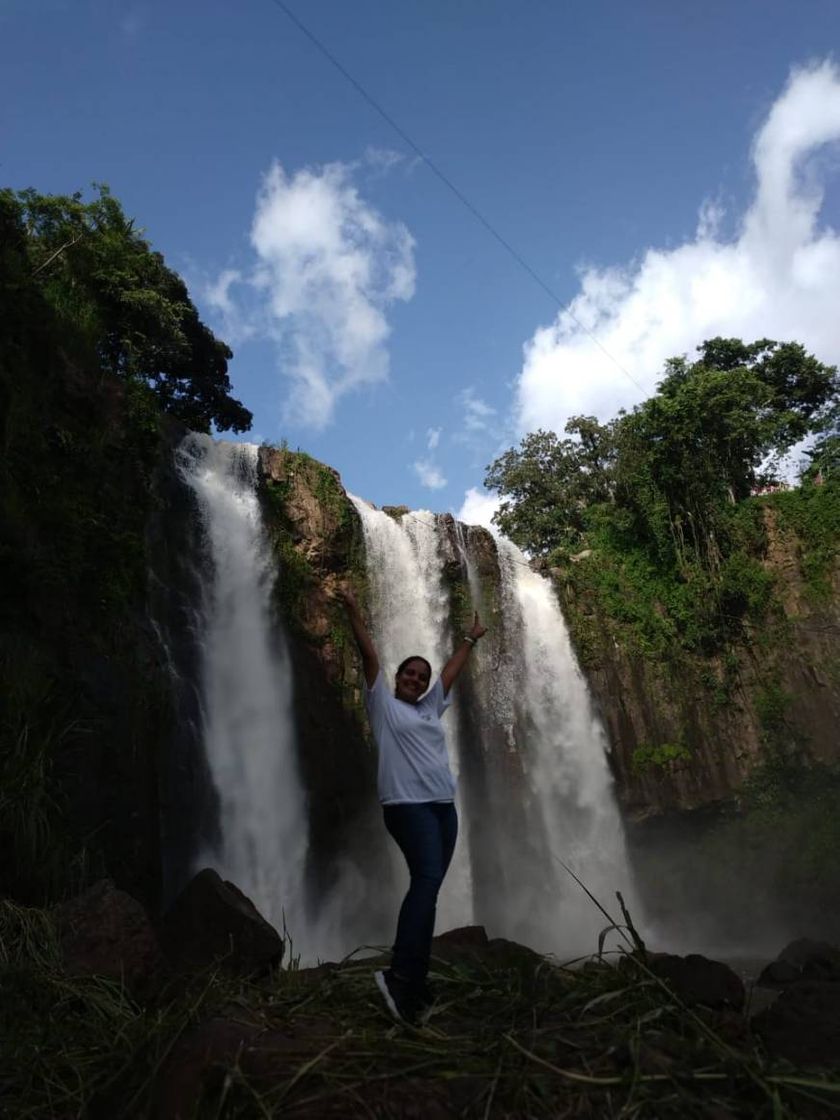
{"points": [[533, 781]]}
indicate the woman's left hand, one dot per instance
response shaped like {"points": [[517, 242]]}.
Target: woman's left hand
{"points": [[478, 631]]}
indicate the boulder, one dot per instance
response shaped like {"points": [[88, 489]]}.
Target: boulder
{"points": [[802, 959], [207, 1051], [473, 936], [213, 922], [106, 932], [697, 980], [803, 1025]]}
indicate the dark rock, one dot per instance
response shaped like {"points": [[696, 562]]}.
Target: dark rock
{"points": [[463, 935], [778, 974], [817, 959], [501, 953], [212, 921], [803, 1025], [203, 1056], [106, 932], [802, 959], [698, 980]]}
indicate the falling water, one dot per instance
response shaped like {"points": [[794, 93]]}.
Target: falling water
{"points": [[563, 751], [530, 754], [534, 783], [246, 686], [410, 614]]}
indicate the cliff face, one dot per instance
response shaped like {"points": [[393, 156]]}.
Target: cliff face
{"points": [[84, 692], [685, 734], [317, 539]]}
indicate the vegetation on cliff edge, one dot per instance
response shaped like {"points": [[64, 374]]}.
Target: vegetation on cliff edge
{"points": [[97, 339], [658, 506]]}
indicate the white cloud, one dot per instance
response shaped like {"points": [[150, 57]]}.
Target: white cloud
{"points": [[779, 277], [328, 268], [478, 415], [218, 293], [433, 437], [236, 324], [429, 474], [478, 508]]}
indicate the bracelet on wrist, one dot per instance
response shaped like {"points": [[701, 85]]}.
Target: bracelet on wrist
{"points": [[472, 641]]}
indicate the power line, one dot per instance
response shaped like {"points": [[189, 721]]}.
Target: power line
{"points": [[459, 194]]}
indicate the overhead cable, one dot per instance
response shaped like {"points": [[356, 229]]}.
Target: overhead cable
{"points": [[459, 194]]}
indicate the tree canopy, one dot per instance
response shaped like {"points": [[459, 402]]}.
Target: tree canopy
{"points": [[102, 278], [657, 495], [715, 429]]}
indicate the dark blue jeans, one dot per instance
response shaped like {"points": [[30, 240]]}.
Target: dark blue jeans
{"points": [[426, 832]]}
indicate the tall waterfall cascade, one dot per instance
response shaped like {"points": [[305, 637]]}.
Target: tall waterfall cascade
{"points": [[246, 687], [529, 754]]}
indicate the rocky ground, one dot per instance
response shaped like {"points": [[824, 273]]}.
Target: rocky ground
{"points": [[103, 1015]]}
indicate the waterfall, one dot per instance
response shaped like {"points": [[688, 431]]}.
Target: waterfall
{"points": [[529, 752], [245, 687], [410, 614], [530, 755], [563, 751]]}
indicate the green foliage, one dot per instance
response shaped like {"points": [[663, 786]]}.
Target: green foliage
{"points": [[660, 497], [772, 703], [547, 485], [661, 757], [812, 513], [115, 295]]}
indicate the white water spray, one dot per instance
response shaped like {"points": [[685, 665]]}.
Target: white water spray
{"points": [[246, 687]]}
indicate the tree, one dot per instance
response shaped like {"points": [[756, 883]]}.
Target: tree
{"points": [[102, 277], [669, 469], [547, 484], [715, 429]]}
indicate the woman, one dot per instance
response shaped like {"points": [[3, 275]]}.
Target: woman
{"points": [[417, 791]]}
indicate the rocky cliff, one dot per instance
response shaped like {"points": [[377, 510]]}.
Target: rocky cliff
{"points": [[686, 732], [683, 735]]}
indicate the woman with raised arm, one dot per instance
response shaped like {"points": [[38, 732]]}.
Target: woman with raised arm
{"points": [[417, 792]]}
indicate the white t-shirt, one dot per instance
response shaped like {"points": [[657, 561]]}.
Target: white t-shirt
{"points": [[413, 759]]}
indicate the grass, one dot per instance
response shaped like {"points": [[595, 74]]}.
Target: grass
{"points": [[511, 1035]]}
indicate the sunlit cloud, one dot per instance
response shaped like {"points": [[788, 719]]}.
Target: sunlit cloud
{"points": [[778, 277], [328, 268], [478, 508], [429, 474]]}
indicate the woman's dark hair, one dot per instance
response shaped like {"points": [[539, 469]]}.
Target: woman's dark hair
{"points": [[408, 661]]}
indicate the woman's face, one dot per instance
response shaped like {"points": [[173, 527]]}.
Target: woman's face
{"points": [[412, 682]]}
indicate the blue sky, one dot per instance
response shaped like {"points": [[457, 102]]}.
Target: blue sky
{"points": [[670, 171]]}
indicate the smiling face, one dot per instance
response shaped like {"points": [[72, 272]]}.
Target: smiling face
{"points": [[412, 680]]}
